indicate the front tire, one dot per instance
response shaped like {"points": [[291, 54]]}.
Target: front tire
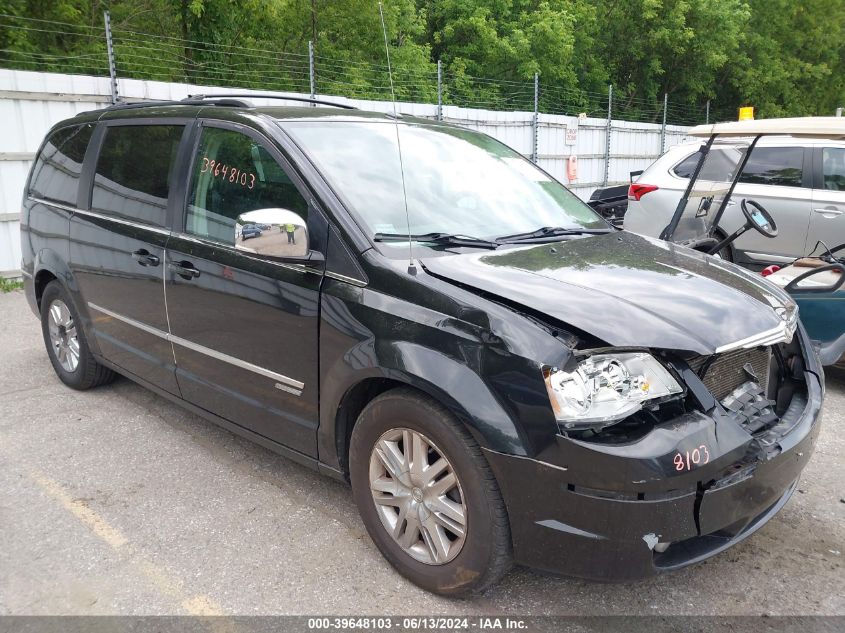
{"points": [[427, 495], [66, 343]]}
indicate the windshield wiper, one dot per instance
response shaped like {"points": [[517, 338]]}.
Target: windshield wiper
{"points": [[547, 232], [445, 239]]}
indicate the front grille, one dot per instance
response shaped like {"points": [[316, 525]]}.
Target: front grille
{"points": [[725, 372]]}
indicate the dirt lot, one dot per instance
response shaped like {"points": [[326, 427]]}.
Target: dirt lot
{"points": [[116, 501]]}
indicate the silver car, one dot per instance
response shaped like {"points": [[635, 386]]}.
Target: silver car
{"points": [[800, 181]]}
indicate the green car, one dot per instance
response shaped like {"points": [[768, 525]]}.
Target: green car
{"points": [[816, 285]]}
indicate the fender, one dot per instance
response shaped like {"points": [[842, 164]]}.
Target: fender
{"points": [[445, 379], [48, 260], [372, 339]]}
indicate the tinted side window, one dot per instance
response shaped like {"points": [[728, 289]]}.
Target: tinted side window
{"points": [[133, 172], [719, 166], [685, 168], [57, 169], [234, 174], [833, 168], [775, 166]]}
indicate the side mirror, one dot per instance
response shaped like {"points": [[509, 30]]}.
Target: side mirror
{"points": [[274, 232]]}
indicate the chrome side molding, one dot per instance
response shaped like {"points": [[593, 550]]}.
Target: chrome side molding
{"points": [[284, 383]]}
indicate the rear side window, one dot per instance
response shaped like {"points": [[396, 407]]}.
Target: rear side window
{"points": [[57, 169], [718, 168], [685, 168], [234, 174], [132, 180], [782, 166], [833, 168]]}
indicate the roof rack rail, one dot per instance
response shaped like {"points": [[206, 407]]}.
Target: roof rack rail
{"points": [[128, 105], [123, 105], [220, 99]]}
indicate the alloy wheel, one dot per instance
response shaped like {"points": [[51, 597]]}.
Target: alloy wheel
{"points": [[418, 496], [63, 335]]}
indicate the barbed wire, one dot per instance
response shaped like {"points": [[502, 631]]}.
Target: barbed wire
{"points": [[156, 57]]}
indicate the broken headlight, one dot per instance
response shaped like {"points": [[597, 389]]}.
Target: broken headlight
{"points": [[606, 388]]}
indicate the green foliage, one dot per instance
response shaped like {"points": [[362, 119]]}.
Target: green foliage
{"points": [[793, 58], [677, 47], [8, 285], [506, 41], [784, 57]]}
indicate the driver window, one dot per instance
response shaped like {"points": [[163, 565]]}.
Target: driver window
{"points": [[234, 174]]}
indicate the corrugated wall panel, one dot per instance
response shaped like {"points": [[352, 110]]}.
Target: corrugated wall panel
{"points": [[13, 175], [10, 248]]}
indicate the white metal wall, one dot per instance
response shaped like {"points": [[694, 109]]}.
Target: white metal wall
{"points": [[30, 103]]}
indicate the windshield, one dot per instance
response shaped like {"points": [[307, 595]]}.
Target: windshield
{"points": [[458, 182], [698, 216]]}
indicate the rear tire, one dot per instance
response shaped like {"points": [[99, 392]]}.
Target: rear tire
{"points": [[444, 505], [67, 345]]}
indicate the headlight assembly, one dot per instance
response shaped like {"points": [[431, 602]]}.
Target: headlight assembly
{"points": [[606, 388]]}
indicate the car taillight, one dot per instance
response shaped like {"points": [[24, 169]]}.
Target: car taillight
{"points": [[637, 191]]}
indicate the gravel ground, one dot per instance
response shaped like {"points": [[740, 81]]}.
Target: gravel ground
{"points": [[115, 501]]}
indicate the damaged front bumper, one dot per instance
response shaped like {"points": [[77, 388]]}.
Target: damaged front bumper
{"points": [[622, 512]]}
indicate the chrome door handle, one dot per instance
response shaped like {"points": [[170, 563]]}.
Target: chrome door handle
{"points": [[829, 211], [185, 270], [145, 258]]}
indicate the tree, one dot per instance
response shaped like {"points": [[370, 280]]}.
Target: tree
{"points": [[784, 57], [60, 38], [793, 61], [652, 47], [506, 41], [350, 45]]}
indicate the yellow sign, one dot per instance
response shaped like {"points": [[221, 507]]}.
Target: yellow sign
{"points": [[746, 113]]}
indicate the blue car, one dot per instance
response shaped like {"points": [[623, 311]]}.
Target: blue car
{"points": [[250, 230]]}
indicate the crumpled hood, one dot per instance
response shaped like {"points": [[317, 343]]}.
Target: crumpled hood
{"points": [[628, 290]]}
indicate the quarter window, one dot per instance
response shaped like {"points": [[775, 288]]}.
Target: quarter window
{"points": [[234, 174], [686, 167], [775, 166], [719, 166], [833, 168], [57, 169], [133, 172]]}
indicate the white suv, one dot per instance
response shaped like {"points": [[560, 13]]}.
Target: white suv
{"points": [[801, 182]]}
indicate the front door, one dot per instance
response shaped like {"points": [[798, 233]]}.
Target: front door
{"points": [[775, 178], [244, 330], [827, 222], [117, 249]]}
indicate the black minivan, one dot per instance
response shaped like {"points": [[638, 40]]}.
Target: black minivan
{"points": [[417, 309]]}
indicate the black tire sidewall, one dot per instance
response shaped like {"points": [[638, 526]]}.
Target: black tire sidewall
{"points": [[468, 569], [76, 378]]}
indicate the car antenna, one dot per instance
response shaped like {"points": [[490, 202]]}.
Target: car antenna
{"points": [[412, 268]]}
